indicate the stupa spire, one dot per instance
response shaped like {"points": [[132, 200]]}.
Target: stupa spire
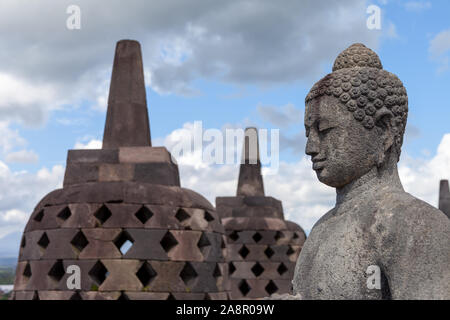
{"points": [[444, 197], [127, 123], [250, 179]]}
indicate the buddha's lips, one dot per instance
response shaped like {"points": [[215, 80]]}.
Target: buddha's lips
{"points": [[318, 164]]}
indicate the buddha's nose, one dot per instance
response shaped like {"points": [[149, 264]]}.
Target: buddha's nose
{"points": [[312, 144]]}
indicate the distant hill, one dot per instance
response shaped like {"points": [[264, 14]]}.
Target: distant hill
{"points": [[7, 275], [9, 248], [10, 262]]}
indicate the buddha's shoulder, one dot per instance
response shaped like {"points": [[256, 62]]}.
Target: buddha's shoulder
{"points": [[402, 211]]}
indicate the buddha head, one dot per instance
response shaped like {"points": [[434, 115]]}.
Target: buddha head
{"points": [[355, 118]]}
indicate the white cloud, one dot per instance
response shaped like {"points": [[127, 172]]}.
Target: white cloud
{"points": [[14, 216], [91, 144], [439, 49], [25, 101], [9, 138], [420, 177], [22, 156], [21, 191]]}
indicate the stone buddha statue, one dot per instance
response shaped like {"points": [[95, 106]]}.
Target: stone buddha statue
{"points": [[378, 242]]}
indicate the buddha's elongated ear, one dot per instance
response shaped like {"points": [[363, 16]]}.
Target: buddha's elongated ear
{"points": [[383, 121]]}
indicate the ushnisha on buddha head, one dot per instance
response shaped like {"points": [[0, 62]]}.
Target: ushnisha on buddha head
{"points": [[355, 118]]}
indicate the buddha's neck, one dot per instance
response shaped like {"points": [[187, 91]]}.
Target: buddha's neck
{"points": [[374, 181]]}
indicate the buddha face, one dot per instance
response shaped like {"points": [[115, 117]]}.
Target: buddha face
{"points": [[341, 149]]}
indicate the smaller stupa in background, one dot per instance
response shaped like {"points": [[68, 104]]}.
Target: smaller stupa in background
{"points": [[262, 247]]}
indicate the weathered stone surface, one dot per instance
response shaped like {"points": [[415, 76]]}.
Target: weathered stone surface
{"points": [[40, 279], [132, 295], [77, 173], [144, 155], [187, 248], [122, 275], [256, 288], [100, 244], [59, 244], [255, 223], [167, 270], [28, 249], [257, 212], [55, 295], [93, 295], [116, 172], [93, 156], [122, 216], [157, 173], [285, 296], [355, 141], [82, 216], [26, 295], [127, 121], [146, 244], [188, 296], [128, 192], [163, 217], [216, 296]]}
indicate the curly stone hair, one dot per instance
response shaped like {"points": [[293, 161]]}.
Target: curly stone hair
{"points": [[363, 87]]}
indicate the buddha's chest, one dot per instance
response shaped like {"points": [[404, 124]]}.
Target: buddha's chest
{"points": [[337, 260]]}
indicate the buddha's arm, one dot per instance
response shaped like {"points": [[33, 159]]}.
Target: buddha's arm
{"points": [[418, 265]]}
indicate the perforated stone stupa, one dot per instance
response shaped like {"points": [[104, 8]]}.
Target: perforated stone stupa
{"points": [[444, 197], [122, 216], [262, 247]]}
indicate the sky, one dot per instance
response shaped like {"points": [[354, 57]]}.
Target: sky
{"points": [[229, 64]]}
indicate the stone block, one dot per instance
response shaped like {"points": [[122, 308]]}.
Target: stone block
{"points": [[188, 296], [25, 295], [77, 173], [216, 296], [157, 173], [144, 155], [167, 276], [30, 250], [22, 278], [206, 279], [55, 295], [147, 295], [122, 275], [187, 248], [123, 215], [146, 244], [40, 279], [163, 217], [243, 270], [100, 244], [116, 172], [93, 295], [59, 244], [82, 216], [213, 250], [93, 156]]}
